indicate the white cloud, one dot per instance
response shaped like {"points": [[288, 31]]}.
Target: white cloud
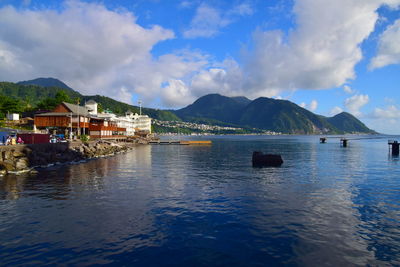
{"points": [[335, 110], [389, 47], [312, 106], [84, 44], [387, 120], [208, 21], [321, 52], [100, 51], [176, 93], [92, 49], [347, 89], [391, 112], [355, 103]]}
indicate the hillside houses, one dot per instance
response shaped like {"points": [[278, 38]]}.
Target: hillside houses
{"points": [[75, 120]]}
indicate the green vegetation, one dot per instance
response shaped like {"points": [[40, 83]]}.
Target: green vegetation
{"points": [[33, 97], [8, 104], [349, 123], [84, 138], [267, 114], [49, 103]]}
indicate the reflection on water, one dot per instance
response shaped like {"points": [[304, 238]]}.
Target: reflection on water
{"points": [[206, 205]]}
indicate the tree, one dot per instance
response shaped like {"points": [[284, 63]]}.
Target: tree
{"points": [[61, 96], [49, 103], [11, 105], [100, 108]]}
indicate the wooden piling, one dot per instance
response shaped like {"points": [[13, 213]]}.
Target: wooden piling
{"points": [[394, 146], [343, 142]]}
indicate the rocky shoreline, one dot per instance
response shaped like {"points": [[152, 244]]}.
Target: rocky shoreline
{"points": [[26, 158]]}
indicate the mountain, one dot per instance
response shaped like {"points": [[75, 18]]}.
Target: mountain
{"points": [[268, 114], [30, 94], [283, 116], [46, 82], [348, 123], [215, 107]]}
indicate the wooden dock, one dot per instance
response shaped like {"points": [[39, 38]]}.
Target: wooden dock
{"points": [[179, 142]]}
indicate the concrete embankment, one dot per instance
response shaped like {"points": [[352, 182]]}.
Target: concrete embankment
{"points": [[22, 158]]}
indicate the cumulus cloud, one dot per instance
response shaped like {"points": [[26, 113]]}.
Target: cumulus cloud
{"points": [[84, 44], [101, 51], [176, 93], [347, 89], [387, 120], [321, 52], [355, 103], [388, 48], [208, 20], [391, 112]]}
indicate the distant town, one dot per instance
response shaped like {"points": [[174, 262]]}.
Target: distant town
{"points": [[181, 127]]}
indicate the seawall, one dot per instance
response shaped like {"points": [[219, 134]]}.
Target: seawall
{"points": [[23, 158]]}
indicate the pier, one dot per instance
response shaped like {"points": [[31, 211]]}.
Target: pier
{"points": [[179, 142]]}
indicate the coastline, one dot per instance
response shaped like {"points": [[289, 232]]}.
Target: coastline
{"points": [[18, 159]]}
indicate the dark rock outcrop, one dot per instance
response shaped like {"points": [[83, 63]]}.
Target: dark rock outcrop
{"points": [[20, 158], [266, 160]]}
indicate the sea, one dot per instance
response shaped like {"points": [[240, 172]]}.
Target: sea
{"points": [[206, 205]]}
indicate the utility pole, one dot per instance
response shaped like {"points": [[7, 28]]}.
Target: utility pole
{"points": [[84, 122], [70, 129], [79, 121]]}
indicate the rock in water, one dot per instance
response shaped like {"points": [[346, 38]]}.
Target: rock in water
{"points": [[268, 160]]}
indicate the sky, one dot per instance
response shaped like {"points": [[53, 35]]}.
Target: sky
{"points": [[326, 56]]}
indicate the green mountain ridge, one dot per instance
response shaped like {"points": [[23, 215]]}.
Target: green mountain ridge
{"points": [[270, 114], [31, 94], [46, 82], [262, 113]]}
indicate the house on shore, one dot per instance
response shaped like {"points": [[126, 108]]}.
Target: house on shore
{"points": [[76, 120]]}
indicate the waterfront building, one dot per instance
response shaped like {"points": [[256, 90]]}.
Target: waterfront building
{"points": [[70, 119], [74, 120]]}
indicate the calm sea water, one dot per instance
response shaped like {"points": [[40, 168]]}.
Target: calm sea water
{"points": [[166, 205]]}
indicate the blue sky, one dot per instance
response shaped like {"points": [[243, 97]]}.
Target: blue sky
{"points": [[327, 56]]}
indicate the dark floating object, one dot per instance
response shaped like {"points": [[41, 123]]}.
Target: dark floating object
{"points": [[267, 160], [395, 147], [322, 140], [343, 142]]}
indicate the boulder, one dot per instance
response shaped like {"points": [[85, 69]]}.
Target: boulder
{"points": [[268, 160], [7, 165], [21, 164], [18, 154]]}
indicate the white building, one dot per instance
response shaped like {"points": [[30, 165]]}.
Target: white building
{"points": [[131, 122], [142, 122], [13, 116], [91, 105]]}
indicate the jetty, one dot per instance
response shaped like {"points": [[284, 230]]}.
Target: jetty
{"points": [[180, 142]]}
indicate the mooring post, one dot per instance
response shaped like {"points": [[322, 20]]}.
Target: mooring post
{"points": [[343, 142], [395, 147]]}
